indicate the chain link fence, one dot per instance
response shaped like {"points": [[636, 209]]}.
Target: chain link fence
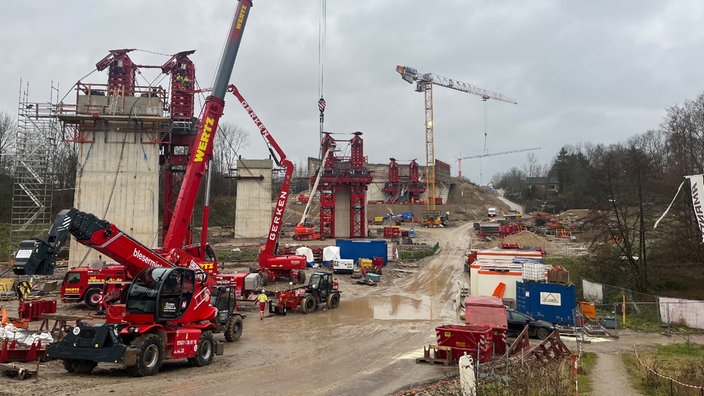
{"points": [[627, 308]]}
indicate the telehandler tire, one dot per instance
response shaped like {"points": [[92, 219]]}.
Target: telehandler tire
{"points": [[301, 277], [206, 350], [333, 301], [233, 330], [150, 355], [81, 366], [68, 365], [308, 304]]}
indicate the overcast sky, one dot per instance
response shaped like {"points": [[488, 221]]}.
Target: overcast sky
{"points": [[582, 71]]}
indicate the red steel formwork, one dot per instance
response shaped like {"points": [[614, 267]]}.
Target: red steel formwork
{"points": [[349, 173], [121, 72], [392, 185], [174, 156]]}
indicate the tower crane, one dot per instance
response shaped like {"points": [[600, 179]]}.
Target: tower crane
{"points": [[459, 159], [424, 83]]}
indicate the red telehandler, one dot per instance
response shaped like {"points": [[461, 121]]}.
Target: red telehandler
{"points": [[172, 305], [271, 265]]}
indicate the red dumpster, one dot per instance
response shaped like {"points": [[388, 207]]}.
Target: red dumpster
{"points": [[476, 341]]}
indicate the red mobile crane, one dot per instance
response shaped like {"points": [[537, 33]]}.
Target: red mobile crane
{"points": [[168, 311], [270, 264]]}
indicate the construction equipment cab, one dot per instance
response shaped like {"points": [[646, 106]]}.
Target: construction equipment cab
{"points": [[322, 288], [491, 212]]}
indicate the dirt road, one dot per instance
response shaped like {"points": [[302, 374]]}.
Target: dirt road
{"points": [[366, 346]]}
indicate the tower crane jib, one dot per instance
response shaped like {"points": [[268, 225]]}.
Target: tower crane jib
{"points": [[424, 83]]}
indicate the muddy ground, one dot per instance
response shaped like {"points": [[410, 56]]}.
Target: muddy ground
{"points": [[366, 346]]}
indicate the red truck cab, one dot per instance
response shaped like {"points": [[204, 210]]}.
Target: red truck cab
{"points": [[85, 284]]}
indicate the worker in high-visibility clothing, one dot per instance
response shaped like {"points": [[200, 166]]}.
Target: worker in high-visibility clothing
{"points": [[262, 298]]}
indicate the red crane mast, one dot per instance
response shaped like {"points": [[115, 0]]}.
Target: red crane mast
{"points": [[202, 149]]}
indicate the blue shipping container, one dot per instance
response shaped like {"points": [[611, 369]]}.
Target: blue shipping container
{"points": [[552, 302], [356, 249]]}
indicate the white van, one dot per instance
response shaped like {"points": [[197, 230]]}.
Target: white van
{"points": [[491, 212]]}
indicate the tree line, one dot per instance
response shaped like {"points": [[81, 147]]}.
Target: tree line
{"points": [[627, 186]]}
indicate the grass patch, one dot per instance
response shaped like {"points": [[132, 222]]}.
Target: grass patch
{"points": [[417, 252], [584, 370], [6, 247], [243, 255], [684, 362]]}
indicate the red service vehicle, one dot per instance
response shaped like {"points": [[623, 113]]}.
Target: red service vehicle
{"points": [[322, 288], [95, 285]]}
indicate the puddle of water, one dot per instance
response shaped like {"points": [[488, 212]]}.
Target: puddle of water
{"points": [[390, 308]]}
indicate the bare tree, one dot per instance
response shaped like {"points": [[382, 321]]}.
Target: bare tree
{"points": [[229, 140], [8, 129], [532, 168]]}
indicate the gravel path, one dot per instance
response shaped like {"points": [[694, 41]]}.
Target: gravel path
{"points": [[610, 378]]}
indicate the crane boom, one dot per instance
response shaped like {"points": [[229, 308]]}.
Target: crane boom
{"points": [[411, 75], [202, 149], [499, 153], [276, 151]]}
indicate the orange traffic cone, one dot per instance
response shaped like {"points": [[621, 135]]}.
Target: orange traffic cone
{"points": [[4, 317]]}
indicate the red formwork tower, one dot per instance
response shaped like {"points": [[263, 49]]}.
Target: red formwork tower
{"points": [[327, 187], [344, 173], [359, 180], [392, 184], [183, 76], [121, 72], [415, 186], [175, 149]]}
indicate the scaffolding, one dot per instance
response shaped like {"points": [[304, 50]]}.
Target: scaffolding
{"points": [[36, 140]]}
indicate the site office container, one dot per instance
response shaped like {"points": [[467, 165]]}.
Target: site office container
{"points": [[551, 302], [485, 276], [508, 255]]}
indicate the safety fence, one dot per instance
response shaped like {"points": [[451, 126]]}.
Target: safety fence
{"points": [[675, 387], [624, 305]]}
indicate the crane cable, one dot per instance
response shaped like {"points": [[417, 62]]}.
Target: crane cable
{"points": [[322, 33], [484, 152]]}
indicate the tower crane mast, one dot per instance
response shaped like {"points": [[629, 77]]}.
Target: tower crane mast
{"points": [[424, 83]]}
